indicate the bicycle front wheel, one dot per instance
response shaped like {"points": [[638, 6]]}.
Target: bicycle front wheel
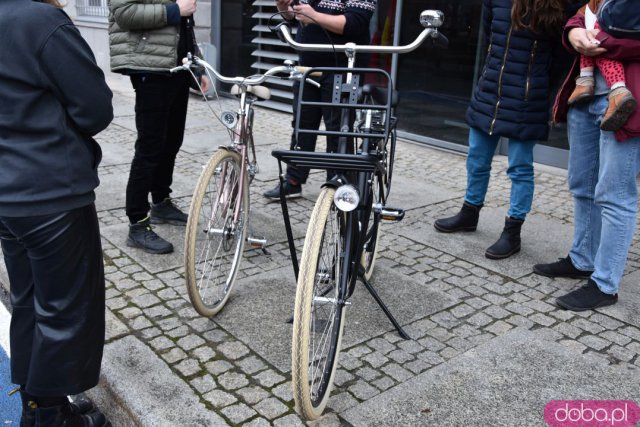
{"points": [[370, 249], [215, 233], [319, 316]]}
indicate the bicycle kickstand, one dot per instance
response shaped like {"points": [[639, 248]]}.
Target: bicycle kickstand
{"points": [[384, 307]]}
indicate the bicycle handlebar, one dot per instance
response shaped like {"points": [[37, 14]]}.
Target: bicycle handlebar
{"points": [[430, 19]]}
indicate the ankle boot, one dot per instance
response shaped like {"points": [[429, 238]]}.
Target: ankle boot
{"points": [[28, 415], [63, 416], [465, 220], [509, 241]]}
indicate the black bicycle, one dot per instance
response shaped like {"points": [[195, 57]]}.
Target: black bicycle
{"points": [[341, 243]]}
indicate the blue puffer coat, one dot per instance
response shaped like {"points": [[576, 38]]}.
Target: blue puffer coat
{"points": [[512, 96]]}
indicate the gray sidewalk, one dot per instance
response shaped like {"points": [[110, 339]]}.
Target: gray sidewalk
{"points": [[488, 346]]}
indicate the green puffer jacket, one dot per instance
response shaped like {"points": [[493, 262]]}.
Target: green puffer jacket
{"points": [[140, 37]]}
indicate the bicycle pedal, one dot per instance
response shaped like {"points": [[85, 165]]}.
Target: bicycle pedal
{"points": [[392, 214], [257, 243]]}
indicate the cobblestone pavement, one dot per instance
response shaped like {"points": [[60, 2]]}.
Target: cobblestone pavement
{"points": [[230, 374]]}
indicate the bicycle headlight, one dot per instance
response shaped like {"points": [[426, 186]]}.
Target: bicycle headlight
{"points": [[346, 198]]}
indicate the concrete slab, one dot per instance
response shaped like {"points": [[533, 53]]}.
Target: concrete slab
{"points": [[265, 302], [505, 382], [405, 194], [537, 245], [205, 141], [155, 396], [627, 309]]}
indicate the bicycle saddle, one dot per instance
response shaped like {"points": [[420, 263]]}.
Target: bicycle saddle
{"points": [[379, 94]]}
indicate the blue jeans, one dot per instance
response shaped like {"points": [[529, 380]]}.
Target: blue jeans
{"points": [[482, 146], [602, 181]]}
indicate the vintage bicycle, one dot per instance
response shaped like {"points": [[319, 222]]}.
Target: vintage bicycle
{"points": [[341, 243], [218, 221]]}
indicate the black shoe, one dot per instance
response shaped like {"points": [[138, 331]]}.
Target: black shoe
{"points": [[142, 236], [166, 212], [509, 241], [291, 191], [465, 220], [561, 268], [63, 416], [588, 297]]}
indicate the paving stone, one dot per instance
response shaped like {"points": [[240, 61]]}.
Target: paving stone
{"points": [[271, 408], [150, 332], [359, 351], [431, 357], [621, 353], [349, 362], [204, 353], [462, 310], [396, 372], [140, 322], [169, 324], [257, 422], [269, 378], [362, 390], [253, 394], [218, 366], [340, 402], [480, 319], [161, 343], [568, 330], [594, 342], [383, 383], [219, 398], [283, 391], [459, 344], [204, 383], [400, 356], [288, 421], [519, 308], [190, 342], [440, 334], [498, 328], [375, 359], [232, 380], [446, 319], [238, 413], [188, 367], [233, 350], [431, 344], [615, 337], [342, 377], [520, 321], [574, 345], [215, 336], [605, 321], [131, 312], [449, 352], [367, 373], [587, 326], [631, 332], [542, 319], [174, 355], [381, 345], [178, 332]]}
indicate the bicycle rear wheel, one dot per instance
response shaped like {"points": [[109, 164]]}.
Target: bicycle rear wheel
{"points": [[215, 233], [370, 249], [319, 317]]}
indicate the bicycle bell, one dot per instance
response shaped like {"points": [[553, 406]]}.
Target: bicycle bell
{"points": [[228, 119], [431, 18]]}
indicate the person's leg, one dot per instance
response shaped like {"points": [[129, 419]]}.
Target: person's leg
{"points": [[482, 147], [584, 160], [178, 87], [520, 172], [153, 101], [310, 117], [66, 288], [616, 195]]}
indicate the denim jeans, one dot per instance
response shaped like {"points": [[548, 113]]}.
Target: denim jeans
{"points": [[161, 113], [482, 147], [602, 180]]}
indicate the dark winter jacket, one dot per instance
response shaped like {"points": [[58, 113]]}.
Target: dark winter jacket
{"points": [[53, 98], [512, 96], [625, 50], [357, 13]]}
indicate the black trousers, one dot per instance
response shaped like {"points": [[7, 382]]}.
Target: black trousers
{"points": [[310, 117], [161, 112], [56, 274]]}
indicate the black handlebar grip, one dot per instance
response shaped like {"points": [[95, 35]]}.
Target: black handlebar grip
{"points": [[440, 40]]}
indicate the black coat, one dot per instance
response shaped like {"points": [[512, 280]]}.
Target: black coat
{"points": [[53, 98], [512, 97]]}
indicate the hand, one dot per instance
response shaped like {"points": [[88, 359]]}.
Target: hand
{"points": [[305, 14], [205, 83], [283, 5], [584, 42], [187, 7]]}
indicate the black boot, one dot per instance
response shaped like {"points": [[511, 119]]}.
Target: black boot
{"points": [[465, 220], [63, 416], [509, 241]]}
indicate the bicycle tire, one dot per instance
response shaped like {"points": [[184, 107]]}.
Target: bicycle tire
{"points": [[319, 277], [372, 237], [213, 242]]}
